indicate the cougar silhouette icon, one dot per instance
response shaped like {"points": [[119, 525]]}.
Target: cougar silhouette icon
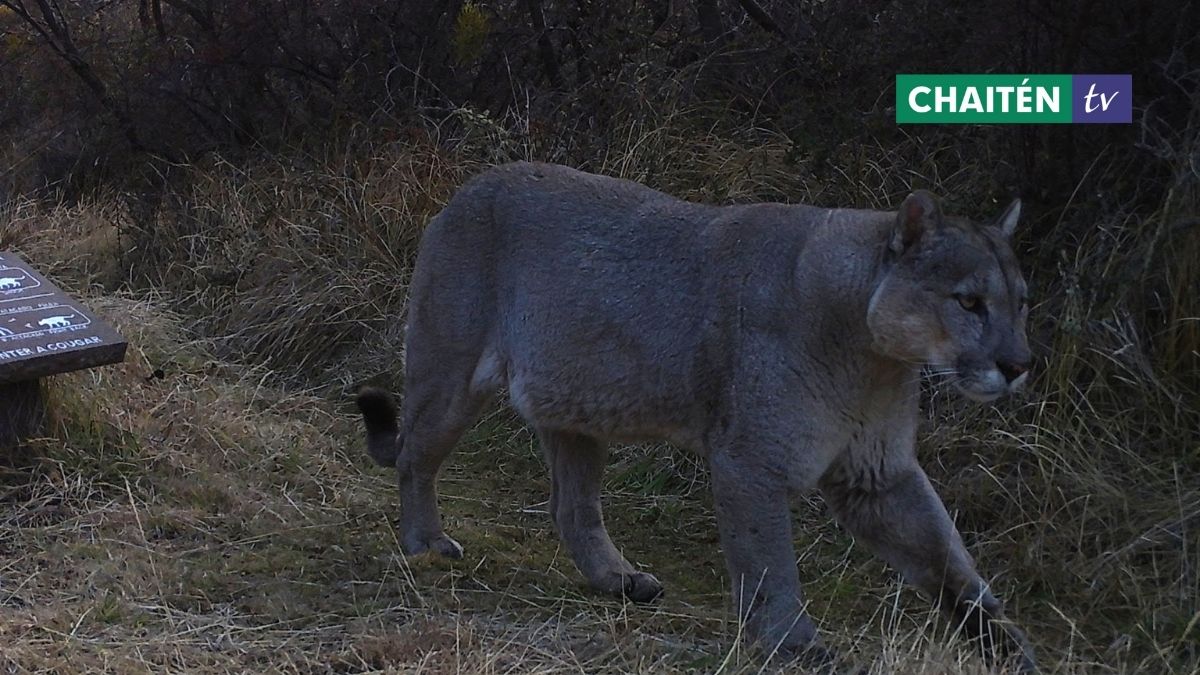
{"points": [[57, 321], [10, 283]]}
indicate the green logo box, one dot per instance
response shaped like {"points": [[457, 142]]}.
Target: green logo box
{"points": [[983, 99]]}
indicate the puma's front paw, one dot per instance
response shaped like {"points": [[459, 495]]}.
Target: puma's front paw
{"points": [[821, 660], [637, 586], [439, 543], [1010, 648], [642, 587], [1002, 643]]}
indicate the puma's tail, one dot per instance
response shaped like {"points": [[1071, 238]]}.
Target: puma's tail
{"points": [[379, 415]]}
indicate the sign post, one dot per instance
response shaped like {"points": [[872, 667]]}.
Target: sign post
{"points": [[43, 332]]}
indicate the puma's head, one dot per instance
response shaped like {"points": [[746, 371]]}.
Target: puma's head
{"points": [[952, 297]]}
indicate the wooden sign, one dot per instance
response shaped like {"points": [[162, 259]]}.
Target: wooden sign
{"points": [[43, 331]]}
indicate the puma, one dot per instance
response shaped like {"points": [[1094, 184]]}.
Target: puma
{"points": [[782, 343]]}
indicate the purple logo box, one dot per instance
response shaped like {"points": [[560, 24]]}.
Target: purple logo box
{"points": [[1102, 99]]}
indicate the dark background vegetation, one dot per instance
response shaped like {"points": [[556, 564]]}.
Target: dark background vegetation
{"points": [[264, 169], [123, 95]]}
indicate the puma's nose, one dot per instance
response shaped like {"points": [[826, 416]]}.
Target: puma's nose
{"points": [[1012, 370]]}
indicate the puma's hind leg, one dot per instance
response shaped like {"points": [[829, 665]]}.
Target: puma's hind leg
{"points": [[577, 468], [417, 455], [438, 409]]}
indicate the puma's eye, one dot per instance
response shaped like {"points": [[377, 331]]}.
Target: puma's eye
{"points": [[971, 303]]}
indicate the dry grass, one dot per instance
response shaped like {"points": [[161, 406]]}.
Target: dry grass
{"points": [[225, 518]]}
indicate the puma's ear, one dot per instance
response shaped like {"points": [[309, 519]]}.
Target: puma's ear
{"points": [[1007, 222], [918, 215]]}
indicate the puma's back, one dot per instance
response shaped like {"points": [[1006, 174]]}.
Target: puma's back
{"points": [[600, 303]]}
